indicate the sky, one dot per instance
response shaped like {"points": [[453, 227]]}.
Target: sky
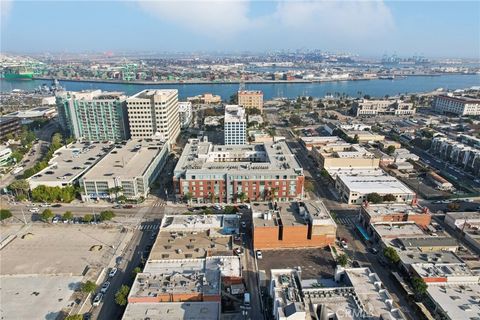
{"points": [[368, 28]]}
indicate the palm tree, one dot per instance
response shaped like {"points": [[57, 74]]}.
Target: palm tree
{"points": [[115, 190]]}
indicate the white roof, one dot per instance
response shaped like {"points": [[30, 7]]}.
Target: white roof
{"points": [[383, 184]]}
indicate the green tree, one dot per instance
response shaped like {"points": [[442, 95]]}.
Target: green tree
{"points": [[419, 287], [230, 210], [390, 150], [88, 218], [374, 198], [136, 270], [188, 196], [324, 173], [107, 215], [46, 215], [5, 214], [121, 295], [88, 286], [68, 215], [242, 196], [391, 254], [389, 197], [342, 260], [295, 120], [19, 187], [74, 317], [309, 186]]}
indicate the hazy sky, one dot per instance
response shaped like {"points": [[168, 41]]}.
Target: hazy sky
{"points": [[371, 28]]}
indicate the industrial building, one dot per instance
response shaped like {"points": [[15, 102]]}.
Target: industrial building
{"points": [[383, 107], [353, 187], [154, 113], [219, 173], [250, 99], [292, 225], [235, 124], [457, 105], [69, 163], [128, 170], [94, 115]]}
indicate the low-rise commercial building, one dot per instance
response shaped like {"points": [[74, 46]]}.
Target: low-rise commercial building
{"points": [[363, 136], [38, 113], [429, 244], [235, 125], [217, 173], [469, 224], [69, 163], [354, 187], [185, 113], [383, 107], [457, 105], [172, 311], [128, 170], [286, 294], [250, 99], [5, 154], [394, 212], [338, 156], [455, 301], [292, 225], [206, 98], [318, 142]]}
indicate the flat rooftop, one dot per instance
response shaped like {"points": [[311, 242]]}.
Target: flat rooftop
{"points": [[70, 162], [199, 222], [204, 157], [149, 93], [234, 113], [459, 301], [429, 242], [398, 230], [375, 210], [443, 270], [474, 215], [383, 184], [286, 291], [127, 161], [172, 311], [411, 257], [190, 245]]}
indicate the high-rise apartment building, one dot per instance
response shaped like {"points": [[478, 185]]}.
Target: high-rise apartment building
{"points": [[235, 125], [154, 112], [94, 115], [250, 99]]}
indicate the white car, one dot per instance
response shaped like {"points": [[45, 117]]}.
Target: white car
{"points": [[105, 287], [97, 300], [34, 210], [259, 254], [112, 273]]}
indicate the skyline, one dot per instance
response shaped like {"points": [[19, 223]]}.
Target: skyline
{"points": [[367, 28]]}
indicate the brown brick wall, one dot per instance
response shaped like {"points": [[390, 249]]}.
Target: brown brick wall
{"points": [[265, 238]]}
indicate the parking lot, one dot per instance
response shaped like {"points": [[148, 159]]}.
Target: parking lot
{"points": [[314, 263], [58, 249]]}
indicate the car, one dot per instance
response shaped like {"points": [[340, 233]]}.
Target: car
{"points": [[44, 205], [87, 316], [34, 210], [128, 206], [98, 299], [55, 219], [259, 254], [105, 287], [373, 250], [117, 206], [244, 224], [468, 200], [112, 273], [238, 251], [56, 205], [217, 207], [355, 264], [437, 202]]}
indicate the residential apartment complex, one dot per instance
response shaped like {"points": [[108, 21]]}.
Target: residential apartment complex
{"points": [[9, 127], [211, 173], [458, 105], [94, 115], [383, 107], [235, 125], [154, 112], [185, 114], [250, 99], [464, 153], [129, 169]]}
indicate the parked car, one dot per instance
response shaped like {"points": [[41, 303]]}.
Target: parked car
{"points": [[238, 251], [105, 287], [117, 206], [56, 205], [112, 273], [244, 224], [355, 264], [98, 299], [259, 254], [34, 210], [127, 206], [55, 219], [373, 250]]}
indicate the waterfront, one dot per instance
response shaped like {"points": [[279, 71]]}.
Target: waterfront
{"points": [[378, 88]]}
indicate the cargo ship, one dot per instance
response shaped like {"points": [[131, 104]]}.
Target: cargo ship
{"points": [[17, 73]]}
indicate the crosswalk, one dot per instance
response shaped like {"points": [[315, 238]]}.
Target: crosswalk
{"points": [[148, 227], [347, 221], [159, 204]]}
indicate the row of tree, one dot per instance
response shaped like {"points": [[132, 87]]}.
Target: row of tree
{"points": [[57, 142], [54, 194]]}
